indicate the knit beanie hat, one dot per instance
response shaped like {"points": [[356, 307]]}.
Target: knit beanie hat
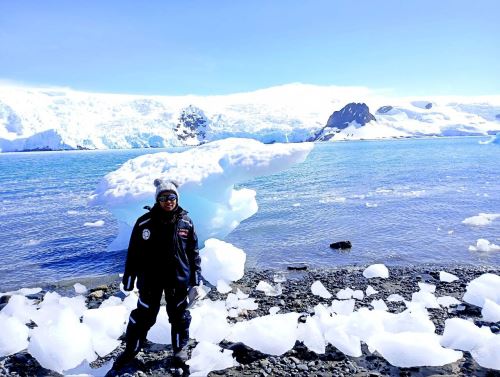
{"points": [[162, 185]]}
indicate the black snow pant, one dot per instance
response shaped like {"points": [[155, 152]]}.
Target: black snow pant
{"points": [[144, 317]]}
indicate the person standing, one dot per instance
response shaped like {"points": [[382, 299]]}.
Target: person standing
{"points": [[163, 258]]}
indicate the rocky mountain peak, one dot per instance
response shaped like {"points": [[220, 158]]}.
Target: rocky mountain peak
{"points": [[358, 112], [192, 124]]}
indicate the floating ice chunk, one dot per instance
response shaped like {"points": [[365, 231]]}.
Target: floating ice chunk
{"points": [[311, 335], [222, 261], [207, 176], [53, 303], [271, 334], [427, 299], [344, 307], [223, 287], [411, 320], [371, 205], [482, 219], [344, 294], [319, 289], [487, 353], [107, 324], [339, 337], [379, 305], [486, 286], [447, 301], [412, 349], [72, 212], [395, 297], [207, 357], [268, 289], [95, 224], [274, 310], [209, 321], [64, 332], [376, 271], [358, 294], [484, 246], [425, 287], [20, 307], [447, 277], [490, 311], [464, 335], [370, 291], [14, 335], [33, 242], [111, 301], [240, 294], [130, 302], [160, 332], [85, 370], [22, 291], [80, 289]]}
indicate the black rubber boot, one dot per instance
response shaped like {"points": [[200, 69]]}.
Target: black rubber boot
{"points": [[134, 343], [180, 339]]}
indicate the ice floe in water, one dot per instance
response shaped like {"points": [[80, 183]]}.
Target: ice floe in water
{"points": [[482, 219], [484, 246]]}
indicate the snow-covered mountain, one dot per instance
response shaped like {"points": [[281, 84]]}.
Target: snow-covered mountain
{"points": [[53, 119]]}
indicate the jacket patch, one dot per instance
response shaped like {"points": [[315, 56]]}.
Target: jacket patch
{"points": [[183, 232], [146, 234]]}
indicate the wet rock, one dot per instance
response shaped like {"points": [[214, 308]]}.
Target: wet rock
{"points": [[341, 245]]}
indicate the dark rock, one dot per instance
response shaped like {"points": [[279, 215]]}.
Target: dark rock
{"points": [[4, 299], [36, 296], [352, 112], [341, 245], [384, 109], [192, 124], [428, 106], [244, 354], [358, 112], [299, 267]]}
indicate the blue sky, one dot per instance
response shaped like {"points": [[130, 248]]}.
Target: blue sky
{"points": [[425, 47]]}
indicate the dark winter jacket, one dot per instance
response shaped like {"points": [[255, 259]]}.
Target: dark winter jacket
{"points": [[163, 250]]}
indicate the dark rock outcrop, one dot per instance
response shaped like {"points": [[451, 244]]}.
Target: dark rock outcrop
{"points": [[352, 112], [384, 109], [428, 106], [192, 124], [358, 112]]}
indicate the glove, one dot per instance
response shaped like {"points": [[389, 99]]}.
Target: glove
{"points": [[195, 293]]}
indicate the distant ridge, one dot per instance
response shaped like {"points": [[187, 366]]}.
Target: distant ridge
{"points": [[59, 119]]}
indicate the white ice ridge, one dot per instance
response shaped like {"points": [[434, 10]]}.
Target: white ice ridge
{"points": [[405, 339], [207, 176]]}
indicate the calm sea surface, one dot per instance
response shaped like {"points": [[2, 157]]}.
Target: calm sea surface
{"points": [[399, 202]]}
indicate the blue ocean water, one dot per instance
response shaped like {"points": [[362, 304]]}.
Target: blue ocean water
{"points": [[399, 202]]}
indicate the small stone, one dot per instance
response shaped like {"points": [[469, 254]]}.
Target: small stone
{"points": [[295, 360], [96, 294], [303, 367]]}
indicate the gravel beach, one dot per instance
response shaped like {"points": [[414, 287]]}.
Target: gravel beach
{"points": [[155, 360]]}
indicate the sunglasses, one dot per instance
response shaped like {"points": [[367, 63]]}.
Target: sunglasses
{"points": [[165, 198]]}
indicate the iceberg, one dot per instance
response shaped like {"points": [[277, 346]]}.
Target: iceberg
{"points": [[207, 176]]}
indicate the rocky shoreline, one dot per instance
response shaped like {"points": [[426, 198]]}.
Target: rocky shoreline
{"points": [[155, 360]]}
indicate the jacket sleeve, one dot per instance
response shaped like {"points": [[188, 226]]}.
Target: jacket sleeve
{"points": [[194, 258], [131, 263]]}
